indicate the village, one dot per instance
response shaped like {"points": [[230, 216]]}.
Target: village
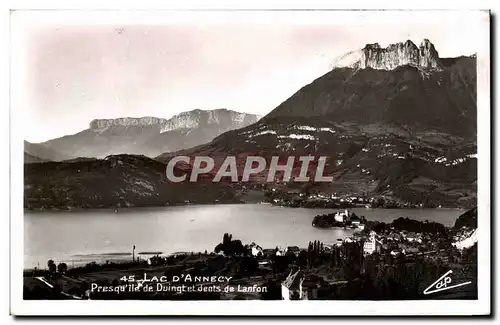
{"points": [[375, 261], [306, 198]]}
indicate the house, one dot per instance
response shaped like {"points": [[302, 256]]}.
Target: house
{"points": [[295, 250], [372, 245], [414, 237], [268, 252], [299, 287], [395, 253], [309, 287], [290, 288], [410, 250], [255, 249], [357, 224], [280, 251], [341, 216], [327, 248], [394, 236]]}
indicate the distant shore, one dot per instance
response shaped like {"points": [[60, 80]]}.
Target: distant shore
{"points": [[80, 209]]}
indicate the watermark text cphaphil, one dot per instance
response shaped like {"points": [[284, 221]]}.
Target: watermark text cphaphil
{"points": [[253, 165]]}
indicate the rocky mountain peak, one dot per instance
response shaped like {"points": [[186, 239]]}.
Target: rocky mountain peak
{"points": [[429, 57], [148, 135], [223, 118], [190, 119], [394, 55], [126, 121]]}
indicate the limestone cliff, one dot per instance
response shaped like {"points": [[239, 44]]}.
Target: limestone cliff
{"points": [[403, 53]]}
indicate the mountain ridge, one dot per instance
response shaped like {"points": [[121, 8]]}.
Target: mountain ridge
{"points": [[149, 135], [407, 134], [188, 119], [400, 96], [38, 152], [394, 55]]}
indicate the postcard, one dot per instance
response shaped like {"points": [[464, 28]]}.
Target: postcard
{"points": [[232, 162]]}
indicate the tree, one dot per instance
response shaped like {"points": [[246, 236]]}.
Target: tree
{"points": [[226, 239], [230, 246], [236, 247], [248, 265], [52, 266], [62, 268], [302, 259]]}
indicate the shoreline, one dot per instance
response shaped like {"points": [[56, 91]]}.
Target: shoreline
{"points": [[79, 209], [305, 216], [125, 262]]}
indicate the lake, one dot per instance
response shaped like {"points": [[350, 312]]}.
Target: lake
{"points": [[77, 237]]}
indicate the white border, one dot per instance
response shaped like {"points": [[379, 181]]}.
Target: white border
{"points": [[30, 19]]}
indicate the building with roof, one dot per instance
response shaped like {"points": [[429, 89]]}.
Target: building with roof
{"points": [[280, 251], [299, 287], [414, 237], [372, 245], [255, 249], [341, 216], [295, 250], [290, 288], [309, 287], [395, 253], [269, 252]]}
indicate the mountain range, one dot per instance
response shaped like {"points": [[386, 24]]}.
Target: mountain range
{"points": [[397, 122], [405, 129], [148, 136], [39, 152], [374, 56]]}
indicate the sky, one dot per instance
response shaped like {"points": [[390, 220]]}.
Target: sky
{"points": [[76, 72]]}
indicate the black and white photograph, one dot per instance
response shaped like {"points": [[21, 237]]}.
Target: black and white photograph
{"points": [[265, 156]]}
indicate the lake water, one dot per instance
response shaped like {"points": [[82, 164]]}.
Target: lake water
{"points": [[79, 237]]}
